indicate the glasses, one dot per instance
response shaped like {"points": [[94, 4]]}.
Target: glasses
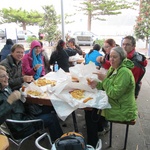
{"points": [[105, 47], [127, 44], [4, 76]]}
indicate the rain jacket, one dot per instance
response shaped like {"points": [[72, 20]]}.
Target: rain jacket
{"points": [[27, 67], [120, 87], [5, 51]]}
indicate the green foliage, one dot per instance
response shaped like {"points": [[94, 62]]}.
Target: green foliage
{"points": [[142, 27], [49, 24], [100, 42], [30, 39], [20, 16]]}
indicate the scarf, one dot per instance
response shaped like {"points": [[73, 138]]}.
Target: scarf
{"points": [[37, 60]]}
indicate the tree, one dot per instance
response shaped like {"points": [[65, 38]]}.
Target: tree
{"points": [[20, 16], [95, 9], [142, 27], [49, 24]]}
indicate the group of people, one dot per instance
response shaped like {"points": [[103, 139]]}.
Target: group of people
{"points": [[125, 69]]}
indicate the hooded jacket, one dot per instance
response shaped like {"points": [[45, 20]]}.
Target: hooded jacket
{"points": [[27, 67], [119, 85]]}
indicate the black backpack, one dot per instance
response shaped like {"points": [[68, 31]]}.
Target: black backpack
{"points": [[137, 59], [71, 141]]}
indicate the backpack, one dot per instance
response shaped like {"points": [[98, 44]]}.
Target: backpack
{"points": [[71, 141], [137, 59]]}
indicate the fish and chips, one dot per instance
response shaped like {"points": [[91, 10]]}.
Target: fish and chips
{"points": [[79, 94], [43, 81]]}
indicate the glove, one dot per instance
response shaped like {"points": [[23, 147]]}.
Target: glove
{"points": [[14, 96]]}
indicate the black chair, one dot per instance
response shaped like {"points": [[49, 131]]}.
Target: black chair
{"points": [[132, 122], [4, 129]]}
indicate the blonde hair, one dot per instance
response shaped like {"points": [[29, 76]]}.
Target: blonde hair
{"points": [[2, 68]]}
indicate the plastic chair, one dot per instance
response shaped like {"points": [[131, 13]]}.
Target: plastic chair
{"points": [[4, 129]]}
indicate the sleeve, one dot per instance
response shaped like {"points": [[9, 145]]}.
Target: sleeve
{"points": [[71, 52], [119, 85], [52, 58], [26, 67], [5, 109]]}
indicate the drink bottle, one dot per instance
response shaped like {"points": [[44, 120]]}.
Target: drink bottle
{"points": [[55, 67]]}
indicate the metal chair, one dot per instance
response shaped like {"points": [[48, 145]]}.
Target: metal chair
{"points": [[4, 129], [37, 141]]}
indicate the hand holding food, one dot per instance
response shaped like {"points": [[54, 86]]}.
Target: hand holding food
{"points": [[36, 67], [14, 96]]}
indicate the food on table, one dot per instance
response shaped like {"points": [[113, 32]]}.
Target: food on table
{"points": [[89, 81], [87, 99], [77, 93], [74, 79], [23, 88], [34, 93], [44, 81]]}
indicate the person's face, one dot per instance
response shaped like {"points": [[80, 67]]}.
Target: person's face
{"points": [[70, 44], [107, 48], [37, 50], [127, 45], [18, 54], [4, 78], [115, 59]]}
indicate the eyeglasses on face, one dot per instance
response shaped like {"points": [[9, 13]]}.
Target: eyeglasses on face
{"points": [[4, 76], [106, 47], [126, 44]]}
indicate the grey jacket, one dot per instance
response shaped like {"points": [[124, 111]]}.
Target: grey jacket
{"points": [[15, 72]]}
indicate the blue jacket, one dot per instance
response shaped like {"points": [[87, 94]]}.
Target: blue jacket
{"points": [[92, 57], [5, 51]]}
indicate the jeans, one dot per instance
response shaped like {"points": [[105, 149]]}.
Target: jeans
{"points": [[94, 123], [51, 122]]}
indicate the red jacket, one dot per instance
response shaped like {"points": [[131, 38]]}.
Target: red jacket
{"points": [[137, 71]]}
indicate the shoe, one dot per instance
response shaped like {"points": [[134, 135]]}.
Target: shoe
{"points": [[106, 130]]}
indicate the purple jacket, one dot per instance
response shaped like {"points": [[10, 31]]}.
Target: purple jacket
{"points": [[27, 68]]}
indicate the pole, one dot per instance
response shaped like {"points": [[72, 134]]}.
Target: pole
{"points": [[62, 21]]}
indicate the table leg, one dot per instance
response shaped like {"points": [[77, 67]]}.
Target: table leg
{"points": [[75, 121]]}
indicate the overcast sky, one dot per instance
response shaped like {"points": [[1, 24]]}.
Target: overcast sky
{"points": [[120, 23]]}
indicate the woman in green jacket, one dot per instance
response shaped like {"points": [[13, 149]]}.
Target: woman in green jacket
{"points": [[119, 85]]}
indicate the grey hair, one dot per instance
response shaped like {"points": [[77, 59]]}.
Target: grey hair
{"points": [[120, 51]]}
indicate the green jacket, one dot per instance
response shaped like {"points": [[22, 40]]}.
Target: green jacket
{"points": [[119, 85]]}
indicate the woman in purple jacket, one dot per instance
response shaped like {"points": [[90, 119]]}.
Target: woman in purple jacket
{"points": [[32, 62]]}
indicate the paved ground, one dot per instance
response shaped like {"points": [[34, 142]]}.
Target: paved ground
{"points": [[139, 134]]}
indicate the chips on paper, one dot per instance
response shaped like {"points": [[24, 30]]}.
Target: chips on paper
{"points": [[34, 93], [43, 81], [77, 93]]}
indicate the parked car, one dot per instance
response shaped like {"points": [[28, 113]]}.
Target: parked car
{"points": [[2, 34], [22, 35], [85, 38]]}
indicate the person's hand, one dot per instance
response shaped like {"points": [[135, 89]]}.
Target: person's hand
{"points": [[14, 96], [100, 75], [36, 67], [28, 79], [93, 84], [100, 59]]}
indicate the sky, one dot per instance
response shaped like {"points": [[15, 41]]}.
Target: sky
{"points": [[120, 24]]}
